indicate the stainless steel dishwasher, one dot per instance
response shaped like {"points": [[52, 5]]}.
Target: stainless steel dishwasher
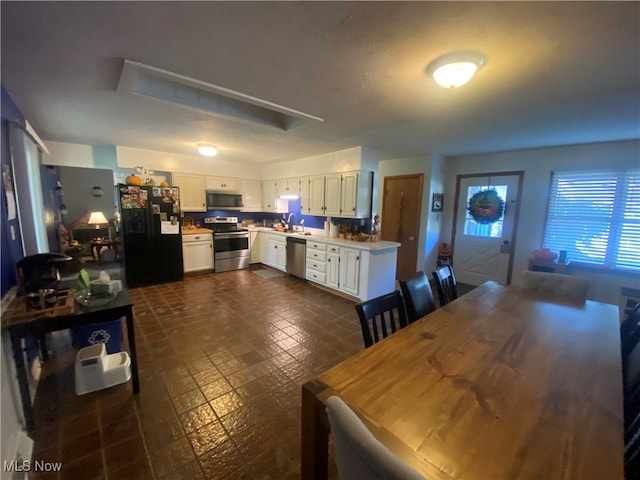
{"points": [[296, 256]]}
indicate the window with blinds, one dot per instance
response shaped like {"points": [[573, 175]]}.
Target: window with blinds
{"points": [[595, 217]]}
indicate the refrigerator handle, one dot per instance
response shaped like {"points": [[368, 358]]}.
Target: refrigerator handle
{"points": [[151, 224]]}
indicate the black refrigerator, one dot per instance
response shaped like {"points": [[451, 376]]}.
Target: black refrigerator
{"points": [[150, 233]]}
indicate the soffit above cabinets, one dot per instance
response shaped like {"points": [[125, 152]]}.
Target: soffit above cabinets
{"points": [[140, 79]]}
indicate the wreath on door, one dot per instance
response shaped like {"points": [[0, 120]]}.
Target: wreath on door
{"points": [[486, 206]]}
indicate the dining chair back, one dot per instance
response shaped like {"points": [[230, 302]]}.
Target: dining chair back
{"points": [[570, 286], [446, 284], [632, 449], [629, 334], [418, 297], [381, 316], [631, 385], [360, 455]]}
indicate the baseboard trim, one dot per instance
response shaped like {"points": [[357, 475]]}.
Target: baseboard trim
{"points": [[23, 449]]}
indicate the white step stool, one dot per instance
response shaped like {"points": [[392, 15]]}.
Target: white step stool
{"points": [[96, 370]]}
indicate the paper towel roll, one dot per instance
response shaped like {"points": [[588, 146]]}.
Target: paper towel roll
{"points": [[326, 228]]}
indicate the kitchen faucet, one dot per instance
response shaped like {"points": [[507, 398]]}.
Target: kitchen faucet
{"points": [[292, 214]]}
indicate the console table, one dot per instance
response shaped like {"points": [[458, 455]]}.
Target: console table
{"points": [[120, 306], [550, 266]]}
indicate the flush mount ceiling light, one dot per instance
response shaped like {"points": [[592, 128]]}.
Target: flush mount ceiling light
{"points": [[455, 69], [207, 150]]}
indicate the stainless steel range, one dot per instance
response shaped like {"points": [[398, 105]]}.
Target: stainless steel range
{"points": [[230, 243]]}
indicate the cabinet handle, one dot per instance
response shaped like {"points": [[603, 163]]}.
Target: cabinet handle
{"points": [[354, 209]]}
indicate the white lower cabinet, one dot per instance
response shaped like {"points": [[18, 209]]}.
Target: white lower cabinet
{"points": [[350, 271], [255, 247], [276, 252], [359, 272], [334, 266], [316, 262], [197, 252]]}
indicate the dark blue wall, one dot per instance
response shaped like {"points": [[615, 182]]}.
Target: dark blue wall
{"points": [[312, 221], [11, 248]]}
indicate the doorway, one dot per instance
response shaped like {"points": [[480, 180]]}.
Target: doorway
{"points": [[401, 204], [485, 226]]}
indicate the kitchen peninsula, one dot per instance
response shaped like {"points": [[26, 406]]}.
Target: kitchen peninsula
{"points": [[358, 270]]}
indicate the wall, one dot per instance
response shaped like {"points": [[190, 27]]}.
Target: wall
{"points": [[348, 160], [101, 157], [538, 165], [429, 222], [77, 184], [11, 253], [169, 162]]}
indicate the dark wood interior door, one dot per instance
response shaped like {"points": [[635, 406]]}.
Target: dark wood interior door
{"points": [[400, 222]]}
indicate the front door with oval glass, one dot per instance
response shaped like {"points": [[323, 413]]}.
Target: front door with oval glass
{"points": [[484, 232]]}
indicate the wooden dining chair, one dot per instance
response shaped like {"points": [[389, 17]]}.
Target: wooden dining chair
{"points": [[629, 334], [360, 455], [570, 286], [631, 385], [446, 284], [381, 316], [418, 297], [632, 449]]}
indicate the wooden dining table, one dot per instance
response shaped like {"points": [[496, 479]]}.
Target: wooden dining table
{"points": [[502, 383]]}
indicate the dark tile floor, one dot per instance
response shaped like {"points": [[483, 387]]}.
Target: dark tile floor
{"points": [[221, 359]]}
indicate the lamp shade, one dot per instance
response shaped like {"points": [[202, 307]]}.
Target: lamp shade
{"points": [[97, 218]]}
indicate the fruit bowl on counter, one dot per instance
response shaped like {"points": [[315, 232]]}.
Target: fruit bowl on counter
{"points": [[360, 237]]}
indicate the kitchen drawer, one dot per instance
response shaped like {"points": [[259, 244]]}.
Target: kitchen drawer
{"points": [[316, 255], [333, 249], [311, 245], [317, 265], [316, 276]]}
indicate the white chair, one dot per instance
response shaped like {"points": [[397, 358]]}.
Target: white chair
{"points": [[359, 455], [567, 285]]}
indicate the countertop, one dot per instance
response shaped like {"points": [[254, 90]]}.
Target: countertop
{"points": [[196, 231], [320, 237]]}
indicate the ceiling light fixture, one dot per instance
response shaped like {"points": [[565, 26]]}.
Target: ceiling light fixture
{"points": [[207, 150], [455, 69]]}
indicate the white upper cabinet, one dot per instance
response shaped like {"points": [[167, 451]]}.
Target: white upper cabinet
{"points": [[287, 186], [192, 191], [304, 195], [355, 195], [251, 196], [332, 195], [223, 184], [268, 196], [315, 203], [337, 195]]}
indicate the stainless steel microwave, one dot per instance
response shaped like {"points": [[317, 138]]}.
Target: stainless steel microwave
{"points": [[223, 200]]}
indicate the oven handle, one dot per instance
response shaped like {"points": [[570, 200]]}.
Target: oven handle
{"points": [[227, 235]]}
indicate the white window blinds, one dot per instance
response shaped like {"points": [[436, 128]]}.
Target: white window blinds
{"points": [[595, 216]]}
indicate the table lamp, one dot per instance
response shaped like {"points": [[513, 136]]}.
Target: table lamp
{"points": [[97, 219]]}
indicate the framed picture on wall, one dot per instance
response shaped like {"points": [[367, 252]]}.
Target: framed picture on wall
{"points": [[436, 202]]}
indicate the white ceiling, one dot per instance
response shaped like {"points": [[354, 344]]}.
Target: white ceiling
{"points": [[555, 74]]}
